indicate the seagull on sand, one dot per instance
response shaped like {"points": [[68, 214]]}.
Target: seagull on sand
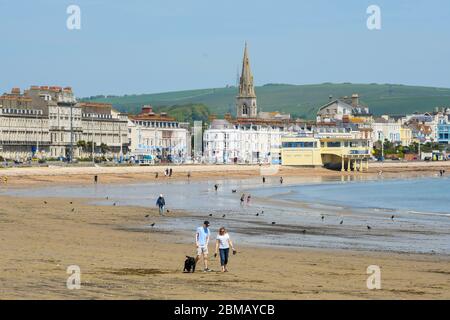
{"points": [[224, 216], [274, 223], [73, 209], [147, 216], [342, 222], [392, 218], [152, 225], [369, 228]]}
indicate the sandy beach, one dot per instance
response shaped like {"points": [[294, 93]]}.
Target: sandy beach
{"points": [[40, 176], [121, 260]]}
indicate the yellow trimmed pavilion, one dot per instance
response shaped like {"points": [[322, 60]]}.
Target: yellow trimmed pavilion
{"points": [[338, 151]]}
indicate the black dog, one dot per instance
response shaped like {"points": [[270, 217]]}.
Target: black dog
{"points": [[189, 264]]}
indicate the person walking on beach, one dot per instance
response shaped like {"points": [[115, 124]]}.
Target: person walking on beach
{"points": [[170, 172], [223, 244], [242, 199], [281, 180], [264, 179], [216, 186], [249, 197], [202, 236], [95, 179], [161, 203]]}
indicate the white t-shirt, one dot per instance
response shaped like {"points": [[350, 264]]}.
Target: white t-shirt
{"points": [[223, 241]]}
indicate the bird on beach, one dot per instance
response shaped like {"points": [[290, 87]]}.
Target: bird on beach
{"points": [[322, 217], [73, 209], [369, 228], [147, 216], [224, 216], [107, 198], [114, 204], [257, 214], [304, 231], [45, 202], [167, 211], [152, 225], [71, 202], [342, 222], [274, 223], [233, 191], [392, 218], [210, 214]]}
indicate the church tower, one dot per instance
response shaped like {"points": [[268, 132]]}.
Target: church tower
{"points": [[246, 106]]}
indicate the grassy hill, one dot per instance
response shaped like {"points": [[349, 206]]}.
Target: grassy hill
{"points": [[300, 100]]}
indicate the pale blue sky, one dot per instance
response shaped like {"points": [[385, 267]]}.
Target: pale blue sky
{"points": [[145, 46]]}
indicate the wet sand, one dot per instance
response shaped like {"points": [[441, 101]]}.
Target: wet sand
{"points": [[80, 175], [120, 260]]}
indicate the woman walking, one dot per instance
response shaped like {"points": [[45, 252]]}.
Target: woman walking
{"points": [[223, 244]]}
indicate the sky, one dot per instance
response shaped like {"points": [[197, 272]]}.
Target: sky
{"points": [[149, 46]]}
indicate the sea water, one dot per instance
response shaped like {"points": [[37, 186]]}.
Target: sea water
{"points": [[405, 215]]}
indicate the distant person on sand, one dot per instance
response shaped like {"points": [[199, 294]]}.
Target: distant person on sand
{"points": [[264, 179], [161, 203], [242, 199], [170, 172], [189, 175], [202, 236], [95, 179], [223, 244], [281, 180], [156, 175], [249, 197], [216, 186]]}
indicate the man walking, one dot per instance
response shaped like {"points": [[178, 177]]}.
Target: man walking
{"points": [[161, 204], [201, 241]]}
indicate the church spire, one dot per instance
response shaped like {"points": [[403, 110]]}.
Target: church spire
{"points": [[246, 88], [246, 100]]}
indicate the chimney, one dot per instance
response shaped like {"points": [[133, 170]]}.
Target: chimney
{"points": [[355, 100], [147, 109]]}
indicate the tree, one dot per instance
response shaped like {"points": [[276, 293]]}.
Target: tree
{"points": [[81, 144], [104, 148]]}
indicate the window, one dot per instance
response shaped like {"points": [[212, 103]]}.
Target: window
{"points": [[299, 144], [334, 144]]}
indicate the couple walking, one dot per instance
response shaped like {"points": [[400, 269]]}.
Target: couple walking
{"points": [[223, 244]]}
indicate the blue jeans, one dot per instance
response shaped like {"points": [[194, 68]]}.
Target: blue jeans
{"points": [[161, 210], [224, 256]]}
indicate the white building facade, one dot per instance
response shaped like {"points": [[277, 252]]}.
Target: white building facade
{"points": [[225, 143], [48, 122], [158, 137]]}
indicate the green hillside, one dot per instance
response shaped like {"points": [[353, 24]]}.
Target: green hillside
{"points": [[299, 100]]}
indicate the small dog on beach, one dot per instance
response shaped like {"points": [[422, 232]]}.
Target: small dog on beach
{"points": [[189, 264]]}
